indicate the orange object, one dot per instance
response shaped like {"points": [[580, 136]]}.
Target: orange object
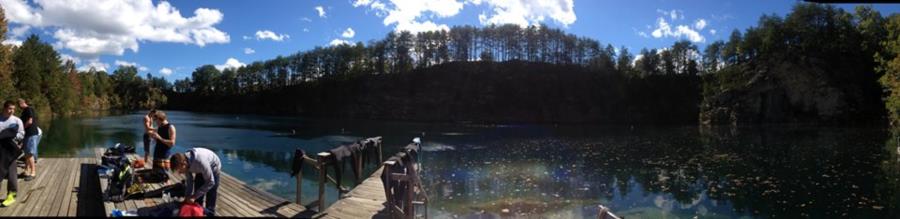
{"points": [[190, 210], [138, 164]]}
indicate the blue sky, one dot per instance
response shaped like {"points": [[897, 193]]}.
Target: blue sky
{"points": [[172, 38]]}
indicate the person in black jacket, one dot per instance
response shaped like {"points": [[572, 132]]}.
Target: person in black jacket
{"points": [[12, 131], [32, 138]]}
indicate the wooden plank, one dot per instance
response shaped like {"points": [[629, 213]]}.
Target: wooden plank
{"points": [[365, 201], [66, 189], [37, 189], [257, 194], [72, 209], [240, 206], [285, 208], [69, 189], [263, 198], [242, 190], [39, 198], [59, 186]]}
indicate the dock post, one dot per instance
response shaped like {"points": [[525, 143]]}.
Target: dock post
{"points": [[299, 186], [322, 179], [359, 167], [380, 156]]}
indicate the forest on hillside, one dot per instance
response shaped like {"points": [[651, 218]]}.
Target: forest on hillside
{"points": [[818, 64]]}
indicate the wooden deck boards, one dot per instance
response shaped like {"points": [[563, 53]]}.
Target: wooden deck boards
{"points": [[366, 200], [53, 192], [236, 199]]}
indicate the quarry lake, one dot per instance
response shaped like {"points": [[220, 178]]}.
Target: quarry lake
{"points": [[554, 171]]}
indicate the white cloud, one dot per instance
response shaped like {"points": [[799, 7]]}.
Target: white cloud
{"points": [[125, 63], [306, 19], [663, 29], [700, 24], [529, 12], [65, 57], [13, 42], [643, 34], [712, 31], [249, 51], [321, 11], [379, 8], [268, 34], [96, 64], [166, 71], [411, 15], [349, 33], [18, 11], [230, 63], [336, 42], [417, 15], [98, 27], [305, 29], [247, 37], [636, 58]]}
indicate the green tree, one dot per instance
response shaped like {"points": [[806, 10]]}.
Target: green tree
{"points": [[128, 87], [7, 89], [889, 67], [712, 57], [27, 71], [623, 62], [203, 79]]}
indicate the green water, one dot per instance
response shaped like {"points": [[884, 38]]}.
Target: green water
{"points": [[476, 171]]}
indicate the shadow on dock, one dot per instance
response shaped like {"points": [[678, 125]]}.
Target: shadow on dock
{"points": [[89, 198]]}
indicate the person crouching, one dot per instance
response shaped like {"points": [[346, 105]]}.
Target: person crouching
{"points": [[201, 168]]}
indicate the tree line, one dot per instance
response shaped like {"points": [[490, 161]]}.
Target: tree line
{"points": [[817, 63], [402, 52], [35, 72]]}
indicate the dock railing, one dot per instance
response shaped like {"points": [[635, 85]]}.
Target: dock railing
{"points": [[402, 185], [364, 151]]}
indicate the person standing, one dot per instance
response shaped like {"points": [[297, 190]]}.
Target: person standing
{"points": [[32, 138], [201, 168], [148, 130], [12, 132], [165, 141]]}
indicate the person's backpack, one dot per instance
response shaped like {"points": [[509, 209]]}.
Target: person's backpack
{"points": [[120, 180]]}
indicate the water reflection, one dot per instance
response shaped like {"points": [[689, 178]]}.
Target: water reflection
{"points": [[777, 172], [558, 171]]}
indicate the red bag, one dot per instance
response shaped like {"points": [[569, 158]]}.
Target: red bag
{"points": [[138, 164], [191, 210]]}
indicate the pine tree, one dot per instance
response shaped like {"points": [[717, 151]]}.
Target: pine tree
{"points": [[7, 90]]}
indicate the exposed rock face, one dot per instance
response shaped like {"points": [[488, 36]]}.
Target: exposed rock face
{"points": [[792, 93]]}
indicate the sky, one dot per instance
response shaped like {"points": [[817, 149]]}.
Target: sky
{"points": [[172, 38]]}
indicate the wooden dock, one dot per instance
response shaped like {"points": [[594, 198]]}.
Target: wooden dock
{"points": [[71, 187], [236, 199]]}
